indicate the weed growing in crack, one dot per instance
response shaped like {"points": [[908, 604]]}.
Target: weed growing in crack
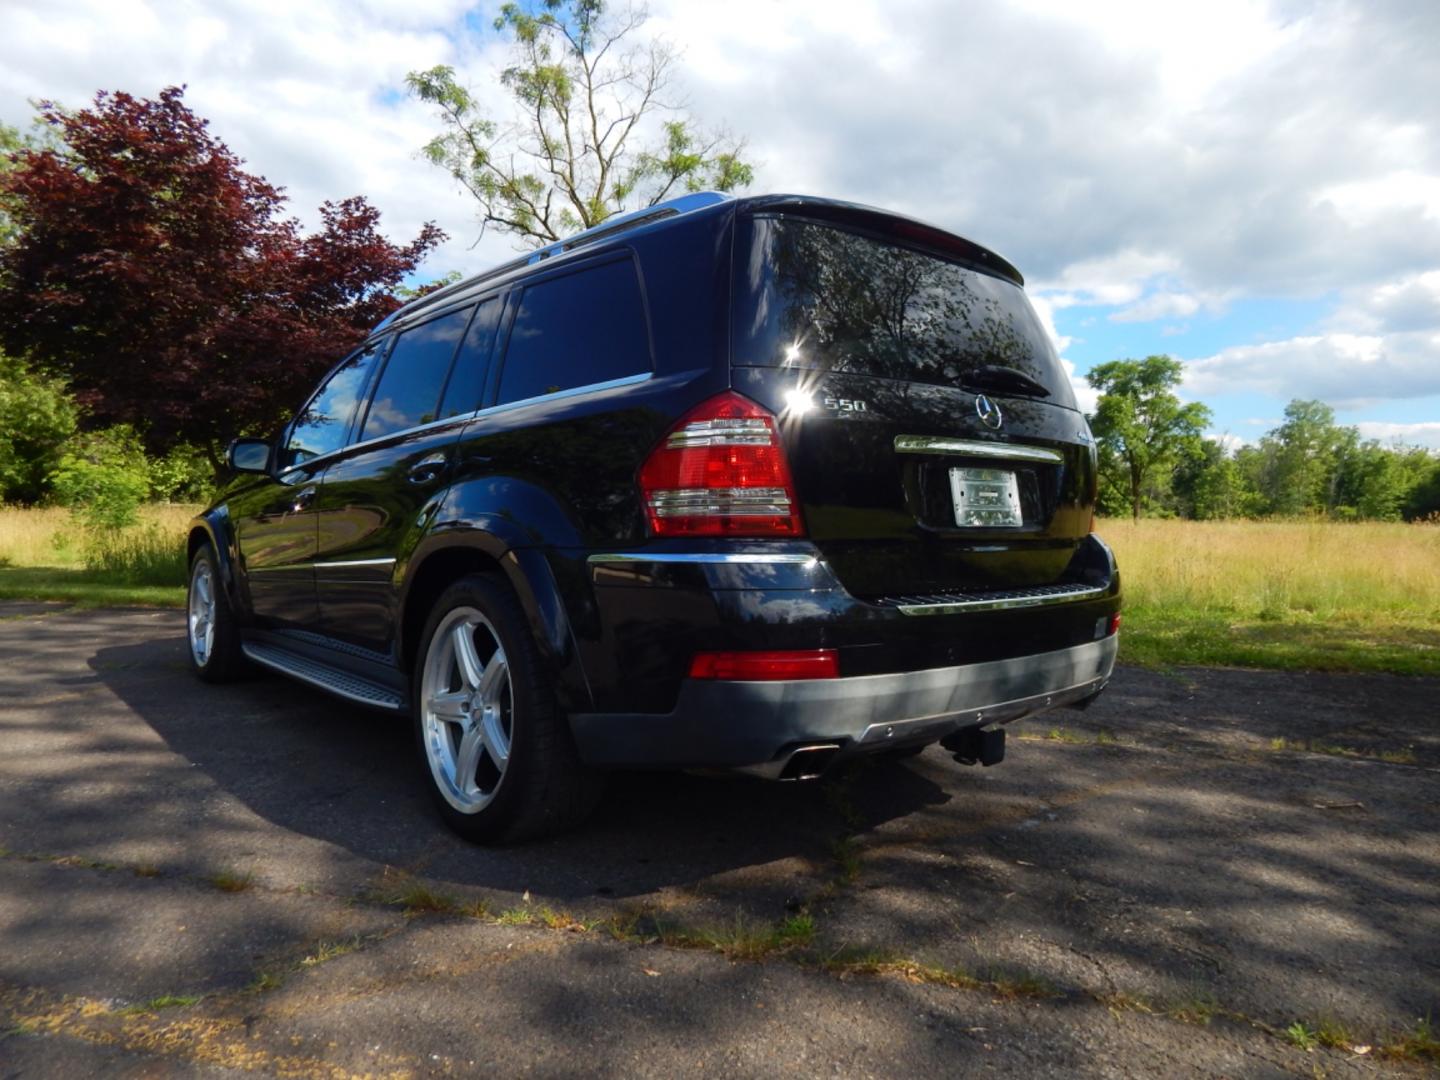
{"points": [[230, 881]]}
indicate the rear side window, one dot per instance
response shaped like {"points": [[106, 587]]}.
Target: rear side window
{"points": [[467, 379], [815, 296], [410, 385], [583, 328], [323, 424]]}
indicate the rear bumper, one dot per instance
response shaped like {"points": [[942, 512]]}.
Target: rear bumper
{"points": [[754, 724]]}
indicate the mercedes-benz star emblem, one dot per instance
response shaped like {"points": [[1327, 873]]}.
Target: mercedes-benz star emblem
{"points": [[988, 412]]}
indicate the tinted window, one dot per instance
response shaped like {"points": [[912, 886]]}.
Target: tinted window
{"points": [[323, 424], [814, 296], [467, 379], [583, 328], [410, 385]]}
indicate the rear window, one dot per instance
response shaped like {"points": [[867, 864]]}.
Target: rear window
{"points": [[815, 296]]}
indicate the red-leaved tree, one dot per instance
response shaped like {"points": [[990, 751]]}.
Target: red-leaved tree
{"points": [[165, 282]]}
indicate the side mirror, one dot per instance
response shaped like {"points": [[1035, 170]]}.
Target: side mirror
{"points": [[249, 455]]}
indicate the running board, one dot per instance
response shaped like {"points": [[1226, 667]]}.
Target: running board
{"points": [[341, 683]]}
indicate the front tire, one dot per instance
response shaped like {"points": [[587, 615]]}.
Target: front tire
{"points": [[210, 627], [495, 748]]}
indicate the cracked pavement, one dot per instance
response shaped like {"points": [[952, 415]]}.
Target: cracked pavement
{"points": [[252, 846]]}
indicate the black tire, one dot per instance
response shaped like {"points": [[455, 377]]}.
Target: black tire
{"points": [[222, 661], [543, 787]]}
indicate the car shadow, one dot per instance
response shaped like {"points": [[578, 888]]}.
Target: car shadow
{"points": [[317, 766]]}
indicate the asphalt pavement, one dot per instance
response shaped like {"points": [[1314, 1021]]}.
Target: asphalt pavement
{"points": [[249, 880]]}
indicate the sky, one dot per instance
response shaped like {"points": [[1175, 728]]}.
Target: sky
{"points": [[1252, 188]]}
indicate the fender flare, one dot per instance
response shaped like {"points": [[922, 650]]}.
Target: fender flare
{"points": [[528, 573]]}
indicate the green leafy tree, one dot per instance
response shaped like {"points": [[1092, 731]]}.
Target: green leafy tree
{"points": [[1211, 485], [103, 477], [594, 134], [36, 418], [1142, 427], [1305, 454]]}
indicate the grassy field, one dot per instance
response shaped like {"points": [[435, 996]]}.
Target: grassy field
{"points": [[1313, 595], [45, 555], [1303, 595]]}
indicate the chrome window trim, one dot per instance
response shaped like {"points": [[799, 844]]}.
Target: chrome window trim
{"points": [[463, 418], [574, 391], [1002, 605], [773, 558], [930, 444]]}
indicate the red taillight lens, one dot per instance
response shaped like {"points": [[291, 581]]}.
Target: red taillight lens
{"points": [[721, 471], [1114, 624], [766, 666]]}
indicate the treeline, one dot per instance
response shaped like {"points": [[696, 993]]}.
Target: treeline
{"points": [[1155, 459]]}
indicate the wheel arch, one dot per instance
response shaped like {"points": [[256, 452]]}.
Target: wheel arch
{"points": [[443, 558], [213, 527]]}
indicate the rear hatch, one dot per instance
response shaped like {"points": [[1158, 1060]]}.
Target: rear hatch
{"points": [[931, 430]]}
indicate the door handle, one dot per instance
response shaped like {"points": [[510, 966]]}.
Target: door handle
{"points": [[302, 500], [427, 469]]}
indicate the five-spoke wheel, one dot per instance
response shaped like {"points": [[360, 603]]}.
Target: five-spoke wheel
{"points": [[467, 709], [494, 741]]}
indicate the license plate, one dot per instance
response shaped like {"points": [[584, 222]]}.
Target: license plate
{"points": [[988, 498]]}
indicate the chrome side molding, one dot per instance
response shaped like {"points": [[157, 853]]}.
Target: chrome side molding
{"points": [[772, 558]]}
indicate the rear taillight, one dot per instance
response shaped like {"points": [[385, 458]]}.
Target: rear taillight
{"points": [[721, 471], [1114, 627], [766, 666]]}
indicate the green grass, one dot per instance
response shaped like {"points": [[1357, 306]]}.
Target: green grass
{"points": [[83, 588], [45, 554], [1297, 595]]}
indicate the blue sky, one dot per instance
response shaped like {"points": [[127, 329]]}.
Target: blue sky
{"points": [[1252, 187]]}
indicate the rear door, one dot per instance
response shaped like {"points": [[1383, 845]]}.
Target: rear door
{"points": [[377, 497], [930, 427]]}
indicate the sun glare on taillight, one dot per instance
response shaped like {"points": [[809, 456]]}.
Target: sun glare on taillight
{"points": [[721, 471]]}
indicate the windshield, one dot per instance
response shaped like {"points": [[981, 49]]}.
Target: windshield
{"points": [[816, 296]]}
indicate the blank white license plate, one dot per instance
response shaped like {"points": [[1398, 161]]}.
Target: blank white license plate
{"points": [[988, 498]]}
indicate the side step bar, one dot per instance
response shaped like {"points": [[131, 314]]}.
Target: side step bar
{"points": [[341, 683]]}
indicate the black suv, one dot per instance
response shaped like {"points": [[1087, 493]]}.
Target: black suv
{"points": [[757, 484]]}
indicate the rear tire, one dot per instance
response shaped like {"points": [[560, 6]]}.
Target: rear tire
{"points": [[495, 748], [211, 631]]}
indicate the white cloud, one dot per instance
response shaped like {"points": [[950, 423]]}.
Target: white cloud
{"points": [[1228, 442], [1160, 305], [1346, 370], [1425, 433]]}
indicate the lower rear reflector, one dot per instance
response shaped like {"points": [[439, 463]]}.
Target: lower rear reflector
{"points": [[766, 666]]}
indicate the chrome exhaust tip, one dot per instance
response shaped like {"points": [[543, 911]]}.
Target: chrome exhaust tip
{"points": [[809, 762]]}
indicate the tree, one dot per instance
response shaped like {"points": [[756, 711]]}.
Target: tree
{"points": [[1211, 485], [585, 99], [161, 279], [1306, 452], [1142, 428], [36, 418]]}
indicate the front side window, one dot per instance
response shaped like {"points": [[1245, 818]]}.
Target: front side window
{"points": [[410, 385], [323, 424], [583, 328]]}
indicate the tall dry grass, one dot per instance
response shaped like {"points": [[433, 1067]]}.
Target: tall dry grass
{"points": [[1274, 570], [149, 553]]}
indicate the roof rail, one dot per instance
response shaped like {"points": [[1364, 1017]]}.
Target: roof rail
{"points": [[683, 204]]}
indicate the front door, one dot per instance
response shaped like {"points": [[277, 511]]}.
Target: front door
{"points": [[275, 524]]}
